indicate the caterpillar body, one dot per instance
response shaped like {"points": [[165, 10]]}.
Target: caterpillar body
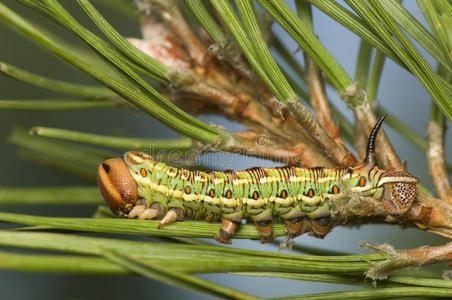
{"points": [[137, 186]]}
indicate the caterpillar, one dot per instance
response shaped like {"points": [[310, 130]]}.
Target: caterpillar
{"points": [[137, 186]]}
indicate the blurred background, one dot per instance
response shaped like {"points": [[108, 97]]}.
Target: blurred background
{"points": [[399, 93]]}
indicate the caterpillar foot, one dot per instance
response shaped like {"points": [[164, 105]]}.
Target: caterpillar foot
{"points": [[298, 226], [173, 215], [265, 229], [140, 206], [227, 231], [320, 226], [141, 211], [148, 214], [136, 211]]}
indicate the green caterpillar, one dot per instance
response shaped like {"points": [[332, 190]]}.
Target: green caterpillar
{"points": [[137, 186]]}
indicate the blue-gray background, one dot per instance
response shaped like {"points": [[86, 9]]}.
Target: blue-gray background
{"points": [[399, 93]]}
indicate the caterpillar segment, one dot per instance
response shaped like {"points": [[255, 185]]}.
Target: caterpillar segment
{"points": [[137, 186]]}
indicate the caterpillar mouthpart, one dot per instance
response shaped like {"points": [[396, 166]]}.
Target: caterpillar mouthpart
{"points": [[117, 185], [400, 191]]}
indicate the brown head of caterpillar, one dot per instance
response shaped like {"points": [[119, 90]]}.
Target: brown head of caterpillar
{"points": [[399, 187], [117, 185], [122, 191]]}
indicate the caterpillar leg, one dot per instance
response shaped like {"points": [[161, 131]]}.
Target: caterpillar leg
{"points": [[228, 228], [136, 211], [143, 212], [320, 226], [265, 229], [297, 226], [174, 214]]}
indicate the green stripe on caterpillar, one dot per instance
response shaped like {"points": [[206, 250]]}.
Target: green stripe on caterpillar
{"points": [[137, 186]]}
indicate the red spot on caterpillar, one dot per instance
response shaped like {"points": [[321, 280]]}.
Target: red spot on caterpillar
{"points": [[212, 193], [284, 194], [335, 189], [143, 172], [187, 189], [362, 181], [228, 194], [255, 195]]}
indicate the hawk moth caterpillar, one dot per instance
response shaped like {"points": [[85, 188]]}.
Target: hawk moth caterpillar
{"points": [[137, 186]]}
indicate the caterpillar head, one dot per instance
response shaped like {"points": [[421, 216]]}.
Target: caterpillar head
{"points": [[117, 185], [399, 187], [116, 182]]}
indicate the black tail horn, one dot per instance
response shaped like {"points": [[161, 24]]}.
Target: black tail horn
{"points": [[370, 150]]}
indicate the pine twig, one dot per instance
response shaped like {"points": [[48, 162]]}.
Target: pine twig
{"points": [[435, 155], [404, 258], [319, 101]]}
